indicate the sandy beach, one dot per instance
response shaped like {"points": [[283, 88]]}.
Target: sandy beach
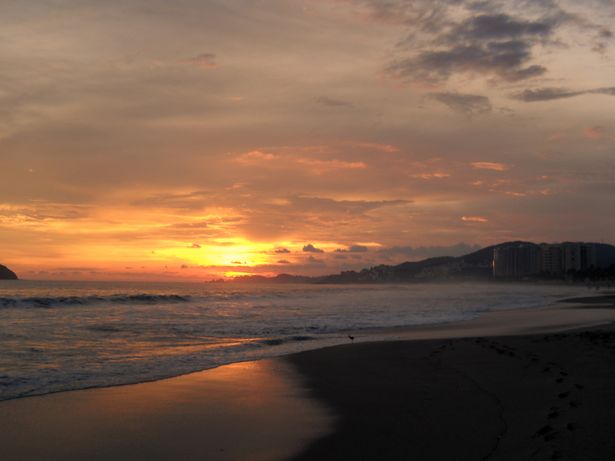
{"points": [[524, 384], [538, 396]]}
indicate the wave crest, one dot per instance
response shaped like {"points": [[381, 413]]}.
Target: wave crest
{"points": [[60, 301]]}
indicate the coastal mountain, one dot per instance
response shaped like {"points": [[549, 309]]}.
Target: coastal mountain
{"points": [[6, 273], [476, 265]]}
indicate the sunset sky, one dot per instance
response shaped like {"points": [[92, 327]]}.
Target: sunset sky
{"points": [[185, 139]]}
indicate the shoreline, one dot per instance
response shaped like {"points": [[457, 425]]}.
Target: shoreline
{"points": [[485, 324], [324, 396]]}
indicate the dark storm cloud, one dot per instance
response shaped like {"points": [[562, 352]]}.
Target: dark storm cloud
{"points": [[549, 93], [466, 104]]}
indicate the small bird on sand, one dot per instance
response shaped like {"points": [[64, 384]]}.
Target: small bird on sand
{"points": [[351, 338]]}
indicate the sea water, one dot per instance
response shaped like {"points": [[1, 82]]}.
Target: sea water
{"points": [[58, 336]]}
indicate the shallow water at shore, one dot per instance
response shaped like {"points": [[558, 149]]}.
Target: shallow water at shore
{"points": [[65, 335]]}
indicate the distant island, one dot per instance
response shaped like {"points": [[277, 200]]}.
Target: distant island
{"points": [[518, 260], [7, 274]]}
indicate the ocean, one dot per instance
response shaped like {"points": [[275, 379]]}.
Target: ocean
{"points": [[57, 336]]}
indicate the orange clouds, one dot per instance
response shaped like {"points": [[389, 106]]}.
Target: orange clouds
{"points": [[593, 132], [388, 148], [494, 166], [430, 176], [255, 156], [474, 219], [295, 158], [324, 166]]}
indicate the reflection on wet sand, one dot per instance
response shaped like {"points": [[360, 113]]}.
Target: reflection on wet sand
{"points": [[250, 410]]}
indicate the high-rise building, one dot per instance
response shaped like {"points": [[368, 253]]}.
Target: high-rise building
{"points": [[523, 259], [551, 259], [516, 260], [579, 256]]}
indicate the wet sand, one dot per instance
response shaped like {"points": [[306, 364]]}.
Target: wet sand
{"points": [[245, 411], [538, 396]]}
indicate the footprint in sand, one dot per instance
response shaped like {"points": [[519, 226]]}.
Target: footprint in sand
{"points": [[544, 430]]}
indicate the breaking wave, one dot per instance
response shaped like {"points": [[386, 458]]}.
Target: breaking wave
{"points": [[60, 301]]}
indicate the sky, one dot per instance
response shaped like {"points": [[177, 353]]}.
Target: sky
{"points": [[192, 140]]}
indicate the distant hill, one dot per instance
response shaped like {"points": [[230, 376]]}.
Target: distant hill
{"points": [[6, 273], [476, 265]]}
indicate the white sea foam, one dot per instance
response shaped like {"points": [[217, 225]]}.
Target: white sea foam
{"points": [[65, 335]]}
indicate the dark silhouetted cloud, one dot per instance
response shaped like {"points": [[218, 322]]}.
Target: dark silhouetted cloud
{"points": [[191, 200], [504, 59], [465, 104], [353, 249], [313, 260], [309, 248], [358, 249], [327, 205], [550, 93], [499, 26], [332, 102], [494, 39], [204, 60], [281, 251]]}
